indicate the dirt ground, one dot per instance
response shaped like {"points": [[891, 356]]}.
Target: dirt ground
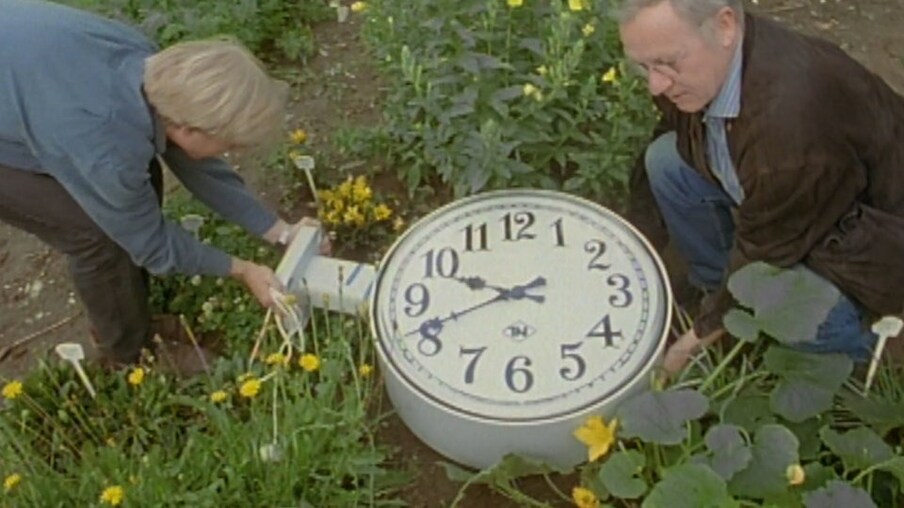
{"points": [[339, 88]]}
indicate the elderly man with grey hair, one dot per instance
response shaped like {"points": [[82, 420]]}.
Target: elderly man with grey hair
{"points": [[775, 147]]}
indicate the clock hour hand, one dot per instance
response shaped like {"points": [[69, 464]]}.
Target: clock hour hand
{"points": [[514, 293]]}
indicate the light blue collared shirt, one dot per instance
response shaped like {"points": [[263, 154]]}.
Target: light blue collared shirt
{"points": [[726, 105]]}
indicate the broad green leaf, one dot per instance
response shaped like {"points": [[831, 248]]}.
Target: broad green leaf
{"points": [[788, 304], [729, 450], [838, 494], [660, 417], [884, 416], [859, 448], [620, 474], [774, 449], [741, 324], [817, 476], [895, 466], [689, 486], [809, 381], [749, 412], [807, 433]]}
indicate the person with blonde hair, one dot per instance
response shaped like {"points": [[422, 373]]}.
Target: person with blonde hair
{"points": [[88, 110]]}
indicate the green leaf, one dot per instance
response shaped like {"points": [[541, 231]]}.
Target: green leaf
{"points": [[742, 325], [859, 448], [774, 449], [895, 466], [807, 433], [884, 416], [689, 486], [809, 381], [659, 417], [620, 475], [838, 494], [817, 476], [749, 412], [729, 450], [510, 468], [788, 304]]}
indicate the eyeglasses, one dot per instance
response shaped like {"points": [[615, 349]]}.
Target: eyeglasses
{"points": [[668, 67]]}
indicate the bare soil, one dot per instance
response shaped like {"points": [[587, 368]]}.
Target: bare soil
{"points": [[339, 87]]}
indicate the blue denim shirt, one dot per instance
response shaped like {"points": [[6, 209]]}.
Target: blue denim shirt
{"points": [[725, 106], [72, 106]]}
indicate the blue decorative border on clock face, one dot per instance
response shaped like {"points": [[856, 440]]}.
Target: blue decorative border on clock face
{"points": [[397, 349]]}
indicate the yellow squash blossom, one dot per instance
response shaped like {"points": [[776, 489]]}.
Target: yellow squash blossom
{"points": [[365, 370], [12, 390], [309, 362], [584, 498], [597, 436], [795, 474], [12, 481], [382, 212], [298, 136], [218, 396], [610, 76], [577, 5], [359, 7], [514, 3], [250, 388], [112, 496], [588, 30], [136, 377]]}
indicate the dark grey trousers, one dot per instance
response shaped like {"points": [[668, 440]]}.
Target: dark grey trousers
{"points": [[113, 290]]}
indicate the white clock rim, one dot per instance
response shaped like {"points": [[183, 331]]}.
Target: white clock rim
{"points": [[611, 397]]}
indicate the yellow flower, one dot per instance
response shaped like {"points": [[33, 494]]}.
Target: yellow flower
{"points": [[218, 396], [597, 436], [795, 474], [588, 29], [610, 76], [12, 389], [361, 192], [542, 70], [12, 481], [353, 216], [331, 218], [309, 362], [584, 498], [514, 3], [382, 212], [577, 5], [136, 377], [250, 388], [365, 370], [275, 358], [529, 89], [398, 224], [245, 377], [359, 7], [112, 496], [298, 136], [344, 190]]}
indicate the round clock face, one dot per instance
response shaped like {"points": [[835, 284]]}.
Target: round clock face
{"points": [[520, 305]]}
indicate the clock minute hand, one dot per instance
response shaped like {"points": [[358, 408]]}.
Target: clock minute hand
{"points": [[514, 293]]}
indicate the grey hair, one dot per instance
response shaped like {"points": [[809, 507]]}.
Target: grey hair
{"points": [[696, 12]]}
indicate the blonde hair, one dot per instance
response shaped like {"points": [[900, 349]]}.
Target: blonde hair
{"points": [[218, 87]]}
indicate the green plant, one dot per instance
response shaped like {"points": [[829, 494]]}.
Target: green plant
{"points": [[489, 94]]}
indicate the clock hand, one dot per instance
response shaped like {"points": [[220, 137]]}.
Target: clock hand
{"points": [[513, 293]]}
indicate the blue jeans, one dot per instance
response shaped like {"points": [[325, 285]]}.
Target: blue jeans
{"points": [[697, 214]]}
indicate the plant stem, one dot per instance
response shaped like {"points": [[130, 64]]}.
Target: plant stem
{"points": [[722, 366]]}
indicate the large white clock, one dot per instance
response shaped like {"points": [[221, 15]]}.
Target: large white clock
{"points": [[503, 320]]}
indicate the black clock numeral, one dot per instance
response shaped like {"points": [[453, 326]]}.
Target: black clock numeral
{"points": [[620, 283], [523, 219], [597, 248], [418, 299], [568, 352], [478, 234], [474, 353], [518, 378], [560, 232], [444, 263], [429, 345], [604, 329]]}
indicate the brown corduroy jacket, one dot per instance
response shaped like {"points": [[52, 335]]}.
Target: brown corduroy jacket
{"points": [[819, 150]]}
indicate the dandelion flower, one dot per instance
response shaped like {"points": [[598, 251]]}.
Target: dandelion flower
{"points": [[309, 362], [514, 3], [12, 481], [112, 496], [597, 436], [218, 396], [298, 136], [12, 390], [359, 6], [136, 377], [529, 89], [382, 212], [250, 388], [365, 370], [275, 359], [588, 30], [795, 474], [577, 5], [610, 76], [584, 498], [542, 70]]}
